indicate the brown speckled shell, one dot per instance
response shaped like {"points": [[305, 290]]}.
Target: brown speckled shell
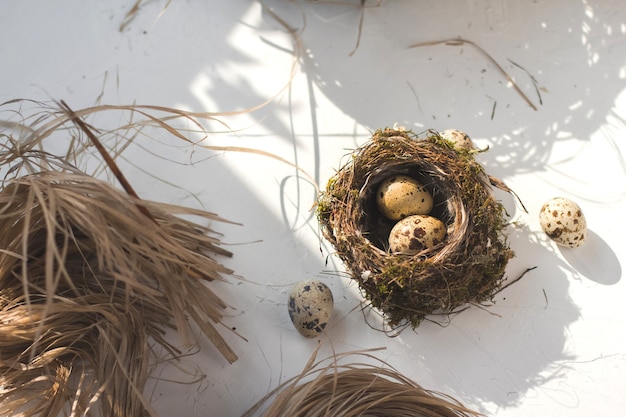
{"points": [[310, 307], [564, 222]]}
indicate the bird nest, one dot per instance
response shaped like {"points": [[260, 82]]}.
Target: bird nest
{"points": [[466, 267], [331, 388]]}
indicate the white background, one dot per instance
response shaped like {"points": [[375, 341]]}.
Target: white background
{"points": [[553, 344]]}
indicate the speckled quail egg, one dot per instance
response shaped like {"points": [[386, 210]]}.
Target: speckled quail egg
{"points": [[460, 139], [400, 196], [416, 233], [310, 307], [564, 222]]}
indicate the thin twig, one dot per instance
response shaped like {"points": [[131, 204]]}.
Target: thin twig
{"points": [[358, 39], [532, 78], [135, 9], [516, 279], [498, 183], [461, 41]]}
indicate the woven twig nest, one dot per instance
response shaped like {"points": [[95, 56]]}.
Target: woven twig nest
{"points": [[466, 267], [328, 388]]}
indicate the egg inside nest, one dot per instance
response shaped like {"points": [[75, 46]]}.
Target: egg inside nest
{"points": [[401, 196], [375, 222], [416, 233]]}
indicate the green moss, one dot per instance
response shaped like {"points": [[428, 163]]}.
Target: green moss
{"points": [[383, 289]]}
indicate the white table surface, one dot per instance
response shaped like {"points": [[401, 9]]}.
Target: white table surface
{"points": [[553, 344]]}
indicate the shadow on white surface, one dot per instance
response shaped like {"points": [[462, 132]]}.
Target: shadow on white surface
{"points": [[563, 55], [595, 260], [497, 357]]}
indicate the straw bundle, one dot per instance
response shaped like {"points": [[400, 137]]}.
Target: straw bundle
{"points": [[91, 279], [466, 267], [88, 287], [357, 389]]}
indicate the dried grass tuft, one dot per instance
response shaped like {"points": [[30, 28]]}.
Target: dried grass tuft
{"points": [[330, 389], [467, 267], [91, 279]]}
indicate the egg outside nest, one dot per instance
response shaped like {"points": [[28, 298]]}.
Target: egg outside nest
{"points": [[564, 222], [466, 267], [310, 307]]}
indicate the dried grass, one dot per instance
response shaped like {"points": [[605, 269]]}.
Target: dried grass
{"points": [[330, 389], [132, 13], [510, 80], [91, 279], [467, 267]]}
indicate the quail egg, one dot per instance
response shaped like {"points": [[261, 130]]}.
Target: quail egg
{"points": [[460, 139], [564, 222], [400, 196], [310, 307], [416, 233]]}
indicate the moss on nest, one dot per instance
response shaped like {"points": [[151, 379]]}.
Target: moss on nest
{"points": [[467, 267]]}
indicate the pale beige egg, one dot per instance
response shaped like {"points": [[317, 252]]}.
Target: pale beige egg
{"points": [[400, 196], [416, 233], [460, 139], [564, 222], [310, 306]]}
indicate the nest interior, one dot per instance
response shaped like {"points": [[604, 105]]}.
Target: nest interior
{"points": [[467, 267]]}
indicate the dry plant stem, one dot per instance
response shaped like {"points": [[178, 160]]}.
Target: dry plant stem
{"points": [[51, 121], [130, 15], [328, 388], [527, 270], [461, 41], [88, 288], [532, 79], [498, 183], [361, 19], [107, 158], [133, 12]]}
